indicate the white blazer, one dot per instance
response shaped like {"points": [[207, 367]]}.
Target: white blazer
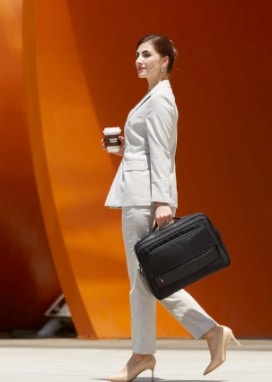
{"points": [[147, 171]]}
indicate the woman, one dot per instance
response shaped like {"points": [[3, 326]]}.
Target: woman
{"points": [[145, 188]]}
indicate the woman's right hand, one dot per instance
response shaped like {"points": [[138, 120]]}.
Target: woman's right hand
{"points": [[163, 214]]}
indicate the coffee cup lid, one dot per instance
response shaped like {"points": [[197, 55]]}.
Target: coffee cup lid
{"points": [[111, 130]]}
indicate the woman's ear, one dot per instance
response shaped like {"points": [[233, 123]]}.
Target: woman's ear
{"points": [[165, 62]]}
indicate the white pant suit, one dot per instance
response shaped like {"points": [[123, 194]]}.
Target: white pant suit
{"points": [[136, 223], [145, 176]]}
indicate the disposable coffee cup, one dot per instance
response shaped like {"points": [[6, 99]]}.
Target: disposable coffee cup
{"points": [[111, 139]]}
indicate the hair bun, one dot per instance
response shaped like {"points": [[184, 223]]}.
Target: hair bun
{"points": [[174, 49]]}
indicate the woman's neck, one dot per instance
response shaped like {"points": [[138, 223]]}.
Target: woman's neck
{"points": [[152, 84]]}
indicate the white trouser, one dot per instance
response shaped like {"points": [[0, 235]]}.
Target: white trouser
{"points": [[136, 223]]}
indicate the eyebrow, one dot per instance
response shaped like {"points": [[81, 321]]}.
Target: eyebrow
{"points": [[144, 51]]}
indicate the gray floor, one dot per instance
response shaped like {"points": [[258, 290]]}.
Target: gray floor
{"points": [[74, 360]]}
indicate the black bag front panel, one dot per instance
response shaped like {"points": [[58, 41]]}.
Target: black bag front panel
{"points": [[180, 250]]}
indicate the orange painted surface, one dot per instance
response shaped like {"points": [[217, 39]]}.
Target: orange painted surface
{"points": [[28, 281], [79, 77]]}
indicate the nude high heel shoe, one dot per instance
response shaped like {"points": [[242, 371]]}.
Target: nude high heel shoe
{"points": [[223, 337], [130, 373]]}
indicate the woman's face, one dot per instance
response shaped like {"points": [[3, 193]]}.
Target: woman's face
{"points": [[149, 63]]}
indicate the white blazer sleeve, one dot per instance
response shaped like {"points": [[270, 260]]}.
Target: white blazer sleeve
{"points": [[161, 122]]}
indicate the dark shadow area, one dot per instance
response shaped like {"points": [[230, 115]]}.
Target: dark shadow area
{"points": [[64, 329]]}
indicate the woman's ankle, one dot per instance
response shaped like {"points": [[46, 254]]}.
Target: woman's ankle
{"points": [[211, 333], [139, 357]]}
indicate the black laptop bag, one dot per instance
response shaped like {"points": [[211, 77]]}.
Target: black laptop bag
{"points": [[180, 254]]}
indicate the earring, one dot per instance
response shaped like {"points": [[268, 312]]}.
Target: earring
{"points": [[162, 70]]}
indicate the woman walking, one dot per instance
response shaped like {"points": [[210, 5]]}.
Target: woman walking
{"points": [[145, 189]]}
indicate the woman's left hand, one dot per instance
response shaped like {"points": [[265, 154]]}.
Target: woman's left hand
{"points": [[163, 214]]}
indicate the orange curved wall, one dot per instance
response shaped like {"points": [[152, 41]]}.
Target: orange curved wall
{"points": [[28, 281], [79, 77]]}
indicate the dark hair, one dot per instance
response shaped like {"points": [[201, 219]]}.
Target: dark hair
{"points": [[163, 46]]}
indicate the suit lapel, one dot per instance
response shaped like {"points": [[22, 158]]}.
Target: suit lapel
{"points": [[147, 96], [139, 105]]}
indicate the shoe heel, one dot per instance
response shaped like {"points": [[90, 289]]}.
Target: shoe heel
{"points": [[232, 337], [152, 369]]}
